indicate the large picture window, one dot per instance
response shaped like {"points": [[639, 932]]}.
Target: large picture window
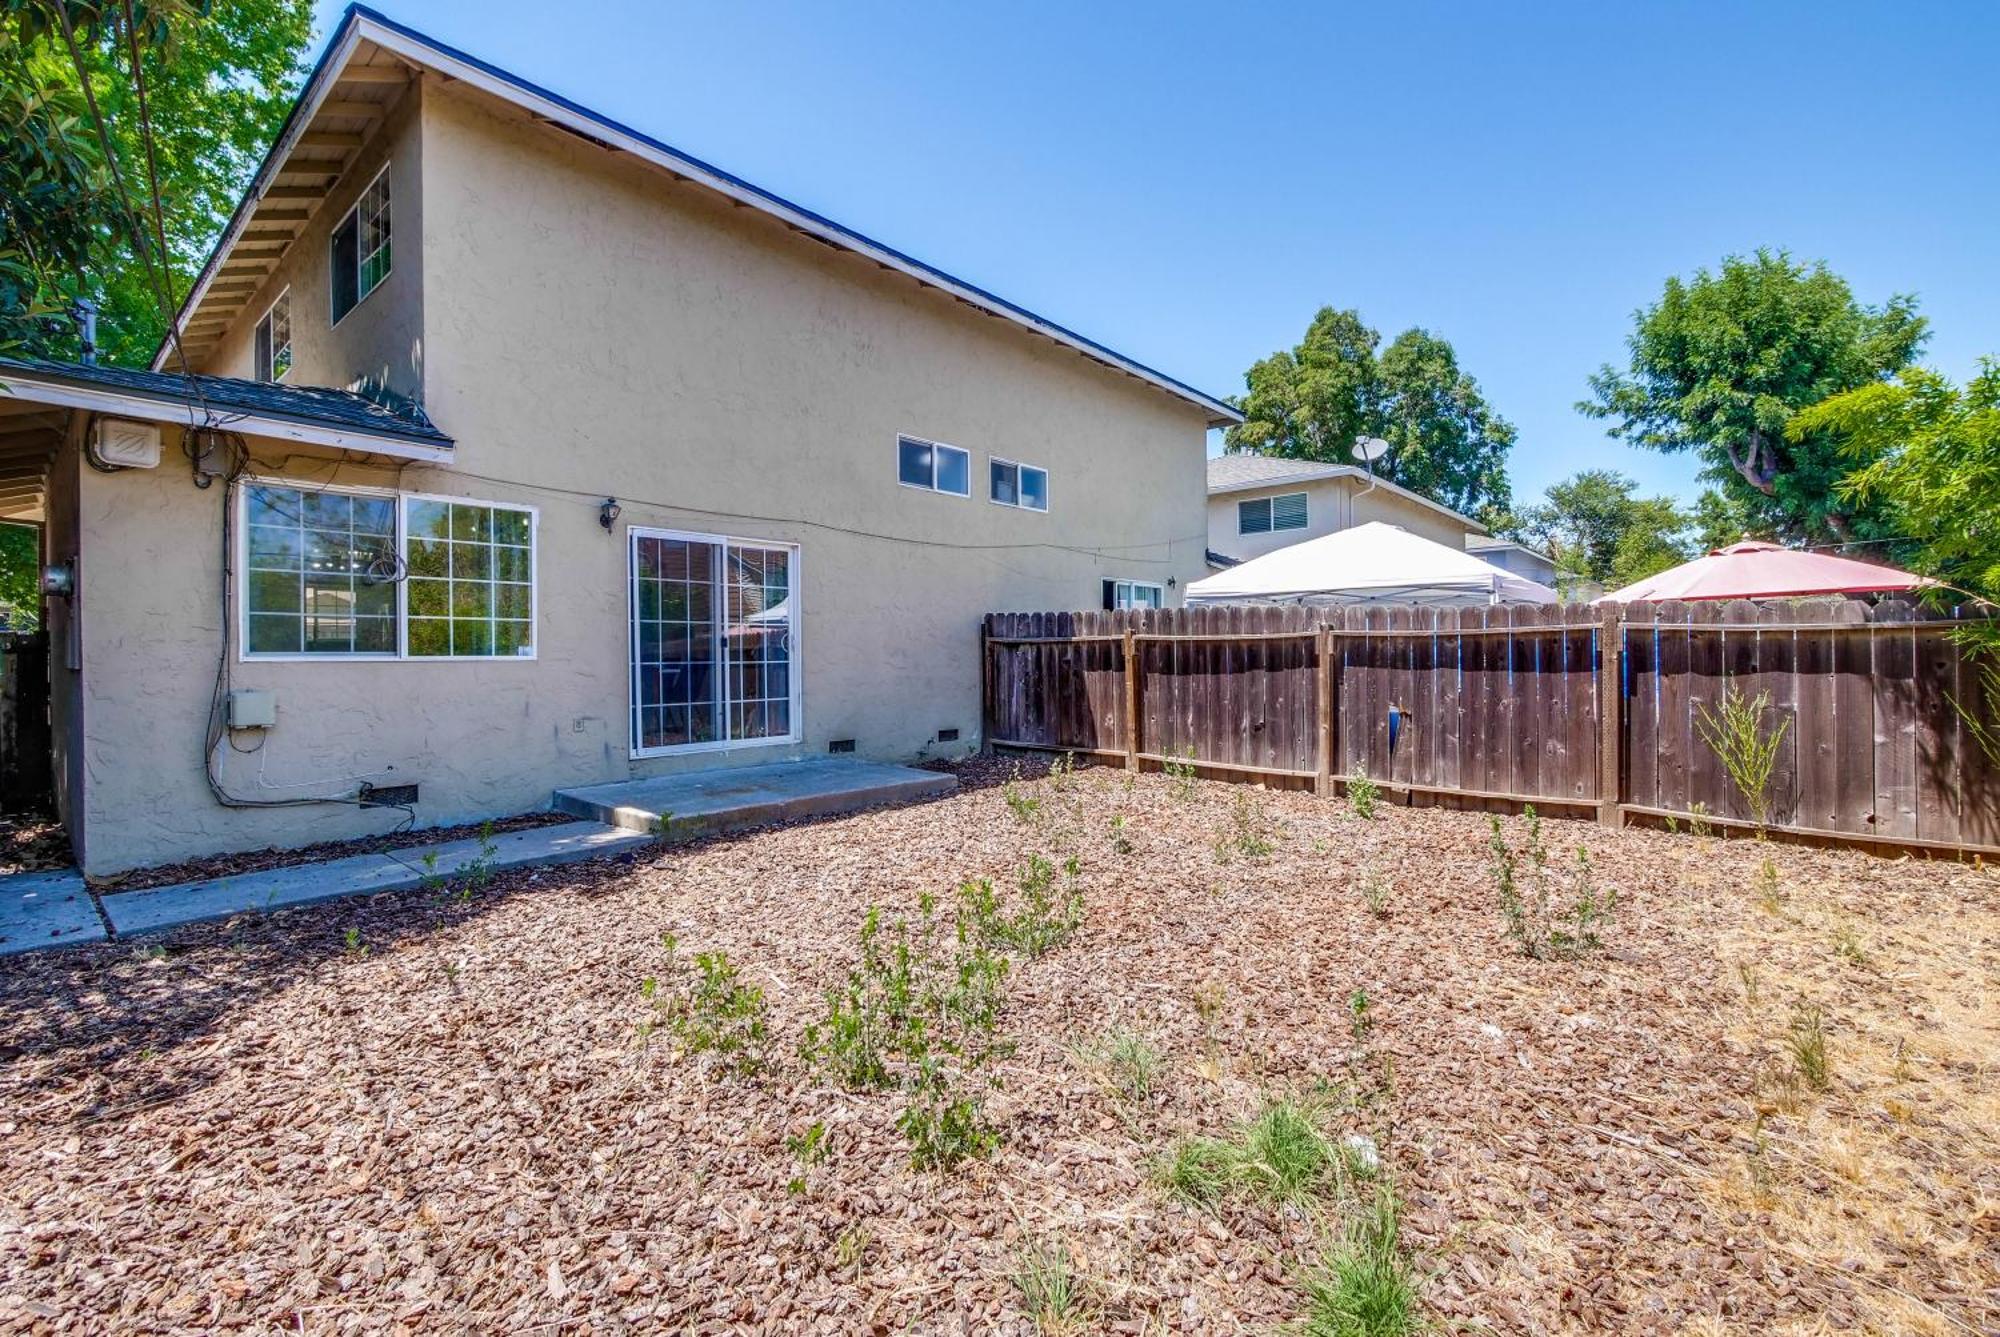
{"points": [[714, 642], [340, 573]]}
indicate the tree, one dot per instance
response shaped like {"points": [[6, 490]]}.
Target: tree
{"points": [[1722, 362], [1928, 452], [218, 80], [1596, 529], [20, 576], [1314, 401]]}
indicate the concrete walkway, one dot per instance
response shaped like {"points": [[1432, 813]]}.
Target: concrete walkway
{"points": [[705, 802], [46, 910]]}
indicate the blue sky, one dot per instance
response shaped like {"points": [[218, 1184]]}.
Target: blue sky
{"points": [[1189, 183]]}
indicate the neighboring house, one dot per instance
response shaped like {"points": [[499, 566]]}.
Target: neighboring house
{"points": [[527, 452], [1511, 556], [1260, 503]]}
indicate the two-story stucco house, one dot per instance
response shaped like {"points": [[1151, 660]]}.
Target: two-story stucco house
{"points": [[1258, 504], [522, 451]]}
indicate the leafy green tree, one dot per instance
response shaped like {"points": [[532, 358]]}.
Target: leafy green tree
{"points": [[1314, 401], [1723, 361], [1929, 452], [1594, 528], [219, 77], [21, 576]]}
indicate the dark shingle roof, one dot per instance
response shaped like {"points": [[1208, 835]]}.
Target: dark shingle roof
{"points": [[343, 410]]}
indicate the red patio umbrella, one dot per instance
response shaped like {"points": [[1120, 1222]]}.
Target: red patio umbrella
{"points": [[1752, 570]]}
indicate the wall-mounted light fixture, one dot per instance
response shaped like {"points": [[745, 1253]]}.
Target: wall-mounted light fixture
{"points": [[1170, 582], [608, 513]]}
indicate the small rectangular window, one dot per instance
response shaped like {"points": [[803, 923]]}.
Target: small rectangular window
{"points": [[933, 466], [1138, 594], [1266, 514], [359, 255], [273, 341], [1022, 485]]}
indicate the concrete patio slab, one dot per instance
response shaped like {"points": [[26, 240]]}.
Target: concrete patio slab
{"points": [[46, 910], [160, 908], [701, 802]]}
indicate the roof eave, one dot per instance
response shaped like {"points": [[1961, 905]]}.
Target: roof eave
{"points": [[182, 412], [361, 24]]}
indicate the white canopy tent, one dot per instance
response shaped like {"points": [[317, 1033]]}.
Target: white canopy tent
{"points": [[1371, 563]]}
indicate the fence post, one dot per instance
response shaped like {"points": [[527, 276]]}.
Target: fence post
{"points": [[1131, 702], [986, 711], [1611, 714], [1323, 782]]}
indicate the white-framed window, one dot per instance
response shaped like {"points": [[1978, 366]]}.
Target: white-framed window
{"points": [[359, 252], [272, 342], [364, 573], [933, 466], [1135, 594], [714, 642], [1265, 515], [1022, 485]]}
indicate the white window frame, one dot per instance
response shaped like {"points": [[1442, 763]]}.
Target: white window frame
{"points": [[936, 446], [1120, 587], [1018, 504], [353, 210], [240, 577], [284, 298], [1271, 513], [796, 675]]}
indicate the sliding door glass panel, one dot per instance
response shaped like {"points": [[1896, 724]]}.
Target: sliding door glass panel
{"points": [[758, 616], [676, 697]]}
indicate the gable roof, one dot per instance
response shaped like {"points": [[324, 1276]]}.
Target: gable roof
{"points": [[307, 413], [363, 31], [1241, 473]]}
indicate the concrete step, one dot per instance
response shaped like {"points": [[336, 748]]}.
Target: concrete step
{"points": [[729, 798]]}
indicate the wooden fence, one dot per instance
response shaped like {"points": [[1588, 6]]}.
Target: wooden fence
{"points": [[1883, 717]]}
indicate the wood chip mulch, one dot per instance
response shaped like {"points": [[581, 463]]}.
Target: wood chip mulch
{"points": [[427, 1114]]}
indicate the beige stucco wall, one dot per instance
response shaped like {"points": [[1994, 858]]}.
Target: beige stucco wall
{"points": [[1331, 504], [589, 328]]}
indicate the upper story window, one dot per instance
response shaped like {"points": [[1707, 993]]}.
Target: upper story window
{"points": [[933, 465], [1267, 514], [338, 573], [1021, 485], [359, 258], [273, 340]]}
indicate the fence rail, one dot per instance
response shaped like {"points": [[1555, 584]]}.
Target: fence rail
{"points": [[1883, 717]]}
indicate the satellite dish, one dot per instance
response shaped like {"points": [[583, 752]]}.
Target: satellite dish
{"points": [[1369, 449]]}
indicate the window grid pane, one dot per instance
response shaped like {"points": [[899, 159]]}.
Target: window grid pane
{"points": [[471, 573], [372, 215], [711, 664], [317, 582]]}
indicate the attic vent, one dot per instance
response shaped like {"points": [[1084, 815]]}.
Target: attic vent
{"points": [[841, 745]]}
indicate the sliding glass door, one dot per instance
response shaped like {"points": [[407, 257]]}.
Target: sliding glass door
{"points": [[714, 634]]}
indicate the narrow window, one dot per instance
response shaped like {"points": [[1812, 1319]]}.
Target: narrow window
{"points": [[273, 341], [1022, 485], [1289, 511], [1137, 594], [933, 466], [359, 251]]}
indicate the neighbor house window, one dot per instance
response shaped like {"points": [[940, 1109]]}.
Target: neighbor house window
{"points": [[1135, 594], [273, 340], [1267, 514], [360, 247], [931, 465], [368, 574], [1021, 485]]}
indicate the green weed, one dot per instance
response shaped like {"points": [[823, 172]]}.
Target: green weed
{"points": [[1048, 916], [1181, 771], [1280, 1156], [1125, 1062], [1746, 749], [1051, 1291], [1805, 1041], [1364, 1286], [1363, 794], [1547, 913]]}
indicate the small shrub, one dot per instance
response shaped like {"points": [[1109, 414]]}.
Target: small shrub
{"points": [[1048, 917], [1698, 820], [1181, 771], [1805, 1041], [1363, 794], [1121, 843], [1364, 1286], [1051, 1292], [1062, 772], [1359, 1013], [351, 941], [1125, 1062], [1747, 751], [1546, 914], [1847, 945], [1249, 829], [710, 1010], [1770, 894], [1374, 888], [1024, 807]]}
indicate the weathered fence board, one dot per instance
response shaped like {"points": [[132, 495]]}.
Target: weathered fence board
{"points": [[1891, 733]]}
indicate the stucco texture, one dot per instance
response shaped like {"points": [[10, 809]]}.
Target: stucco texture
{"points": [[585, 327]]}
